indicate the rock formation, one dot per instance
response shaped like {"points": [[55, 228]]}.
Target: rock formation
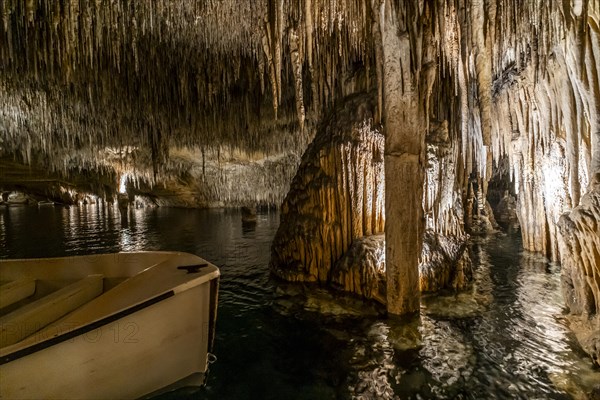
{"points": [[361, 270], [337, 197], [580, 261], [158, 92], [445, 264]]}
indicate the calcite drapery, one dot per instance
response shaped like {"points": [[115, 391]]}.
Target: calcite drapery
{"points": [[331, 217], [335, 197], [580, 260]]}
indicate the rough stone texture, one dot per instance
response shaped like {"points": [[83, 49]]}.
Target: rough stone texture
{"points": [[335, 197], [334, 206], [445, 264], [580, 260], [361, 270]]}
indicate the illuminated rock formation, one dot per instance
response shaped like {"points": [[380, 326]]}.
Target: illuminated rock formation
{"points": [[580, 260], [336, 196], [335, 209], [212, 102]]}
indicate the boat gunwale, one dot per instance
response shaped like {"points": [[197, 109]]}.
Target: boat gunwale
{"points": [[21, 349]]}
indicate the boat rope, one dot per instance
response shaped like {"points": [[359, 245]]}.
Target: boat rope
{"points": [[210, 359]]}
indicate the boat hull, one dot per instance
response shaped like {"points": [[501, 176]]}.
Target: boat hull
{"points": [[129, 357], [151, 329]]}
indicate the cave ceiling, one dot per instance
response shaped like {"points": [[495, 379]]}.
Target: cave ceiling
{"points": [[124, 85]]}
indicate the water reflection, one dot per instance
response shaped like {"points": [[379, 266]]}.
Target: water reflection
{"points": [[3, 223], [504, 338], [373, 361]]}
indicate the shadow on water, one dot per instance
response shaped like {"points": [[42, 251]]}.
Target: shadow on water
{"points": [[504, 338]]}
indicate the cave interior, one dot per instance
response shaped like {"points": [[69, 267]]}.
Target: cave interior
{"points": [[386, 132]]}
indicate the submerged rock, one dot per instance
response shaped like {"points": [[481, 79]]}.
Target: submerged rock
{"points": [[361, 270]]}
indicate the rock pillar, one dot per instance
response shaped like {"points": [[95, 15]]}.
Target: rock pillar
{"points": [[404, 172]]}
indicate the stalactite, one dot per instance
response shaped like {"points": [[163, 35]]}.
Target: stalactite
{"points": [[78, 77], [484, 85], [376, 8], [297, 66], [267, 47]]}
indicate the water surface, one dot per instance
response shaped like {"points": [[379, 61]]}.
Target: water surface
{"points": [[503, 339]]}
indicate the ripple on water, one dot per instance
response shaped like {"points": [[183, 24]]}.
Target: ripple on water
{"points": [[503, 339]]}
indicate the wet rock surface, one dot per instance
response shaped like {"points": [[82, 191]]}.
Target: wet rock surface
{"points": [[331, 229], [580, 260]]}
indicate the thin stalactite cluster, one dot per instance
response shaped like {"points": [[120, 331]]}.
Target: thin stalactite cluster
{"points": [[136, 79], [83, 77]]}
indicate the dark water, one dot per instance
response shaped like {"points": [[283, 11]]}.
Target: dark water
{"points": [[505, 338]]}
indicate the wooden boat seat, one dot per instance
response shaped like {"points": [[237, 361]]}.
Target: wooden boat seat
{"points": [[14, 291], [34, 316]]}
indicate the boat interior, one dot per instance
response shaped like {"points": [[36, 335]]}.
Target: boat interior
{"points": [[36, 295], [29, 305]]}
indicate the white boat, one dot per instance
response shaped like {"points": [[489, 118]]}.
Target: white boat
{"points": [[125, 325]]}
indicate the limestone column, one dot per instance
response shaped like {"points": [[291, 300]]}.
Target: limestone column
{"points": [[593, 58], [483, 67], [404, 165]]}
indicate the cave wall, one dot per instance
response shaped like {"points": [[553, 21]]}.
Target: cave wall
{"points": [[220, 178], [547, 122], [579, 243]]}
